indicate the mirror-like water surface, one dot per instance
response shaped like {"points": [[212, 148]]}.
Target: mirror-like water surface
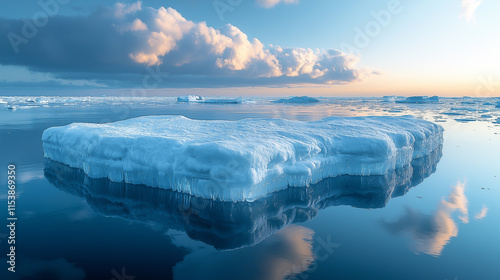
{"points": [[436, 219]]}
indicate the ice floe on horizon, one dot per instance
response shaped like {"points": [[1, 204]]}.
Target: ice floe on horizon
{"points": [[419, 100], [260, 106], [224, 101], [298, 100], [189, 98]]}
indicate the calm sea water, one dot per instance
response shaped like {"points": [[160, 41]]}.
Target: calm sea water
{"points": [[436, 219]]}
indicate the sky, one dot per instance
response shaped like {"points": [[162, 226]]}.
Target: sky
{"points": [[250, 47]]}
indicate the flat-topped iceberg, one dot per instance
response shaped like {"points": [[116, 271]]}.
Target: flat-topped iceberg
{"points": [[298, 99], [419, 100], [189, 98], [239, 160]]}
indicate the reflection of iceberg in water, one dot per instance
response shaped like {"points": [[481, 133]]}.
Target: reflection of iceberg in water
{"points": [[432, 232], [228, 225]]}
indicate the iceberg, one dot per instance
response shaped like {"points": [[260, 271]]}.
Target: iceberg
{"points": [[223, 101], [419, 100], [239, 160], [189, 98], [389, 98], [392, 98], [298, 100]]}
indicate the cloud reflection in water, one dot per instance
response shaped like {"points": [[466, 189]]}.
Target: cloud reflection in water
{"points": [[431, 233]]}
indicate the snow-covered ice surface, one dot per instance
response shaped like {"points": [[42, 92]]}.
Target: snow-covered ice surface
{"points": [[223, 101], [239, 160]]}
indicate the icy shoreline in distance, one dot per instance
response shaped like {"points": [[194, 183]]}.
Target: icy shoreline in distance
{"points": [[239, 160]]}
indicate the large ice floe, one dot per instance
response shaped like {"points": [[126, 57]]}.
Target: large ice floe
{"points": [[239, 160]]}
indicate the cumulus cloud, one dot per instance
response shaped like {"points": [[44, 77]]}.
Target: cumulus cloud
{"points": [[272, 3], [120, 41], [136, 25], [469, 8], [121, 10]]}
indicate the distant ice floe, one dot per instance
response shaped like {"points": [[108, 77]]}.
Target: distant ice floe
{"points": [[239, 160], [419, 100], [25, 102], [199, 99], [466, 100], [189, 98], [298, 100], [448, 107], [392, 98], [224, 101]]}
